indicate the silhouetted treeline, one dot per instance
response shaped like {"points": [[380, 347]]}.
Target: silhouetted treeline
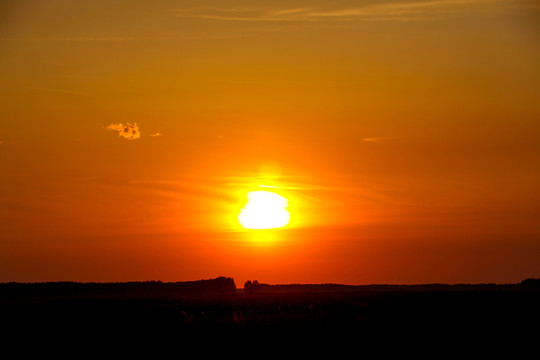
{"points": [[386, 288], [251, 286], [151, 289], [530, 284], [158, 289]]}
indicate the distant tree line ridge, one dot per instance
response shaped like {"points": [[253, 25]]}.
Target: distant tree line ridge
{"points": [[222, 285], [530, 283], [255, 286], [118, 289]]}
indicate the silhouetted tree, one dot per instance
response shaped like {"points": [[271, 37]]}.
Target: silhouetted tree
{"points": [[530, 284], [250, 286]]}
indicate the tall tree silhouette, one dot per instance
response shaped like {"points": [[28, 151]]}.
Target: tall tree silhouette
{"points": [[250, 286]]}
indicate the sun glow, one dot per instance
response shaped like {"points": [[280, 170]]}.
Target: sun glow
{"points": [[264, 210]]}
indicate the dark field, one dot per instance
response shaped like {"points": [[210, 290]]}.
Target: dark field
{"points": [[334, 315]]}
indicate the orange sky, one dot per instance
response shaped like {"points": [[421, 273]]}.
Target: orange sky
{"points": [[405, 134]]}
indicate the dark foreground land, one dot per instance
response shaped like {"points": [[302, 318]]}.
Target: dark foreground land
{"points": [[210, 310]]}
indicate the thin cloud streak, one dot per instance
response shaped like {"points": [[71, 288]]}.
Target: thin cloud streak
{"points": [[61, 91], [379, 139], [389, 11], [70, 39]]}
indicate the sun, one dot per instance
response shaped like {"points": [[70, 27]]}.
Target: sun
{"points": [[264, 210]]}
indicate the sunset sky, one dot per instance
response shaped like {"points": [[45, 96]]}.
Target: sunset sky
{"points": [[405, 136]]}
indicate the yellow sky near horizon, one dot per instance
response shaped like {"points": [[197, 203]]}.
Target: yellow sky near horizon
{"points": [[406, 134]]}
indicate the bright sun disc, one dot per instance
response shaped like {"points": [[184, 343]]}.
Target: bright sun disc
{"points": [[264, 210]]}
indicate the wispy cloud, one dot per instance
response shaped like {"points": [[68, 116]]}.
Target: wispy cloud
{"points": [[54, 90], [129, 131], [379, 139], [156, 134], [390, 10], [70, 39]]}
